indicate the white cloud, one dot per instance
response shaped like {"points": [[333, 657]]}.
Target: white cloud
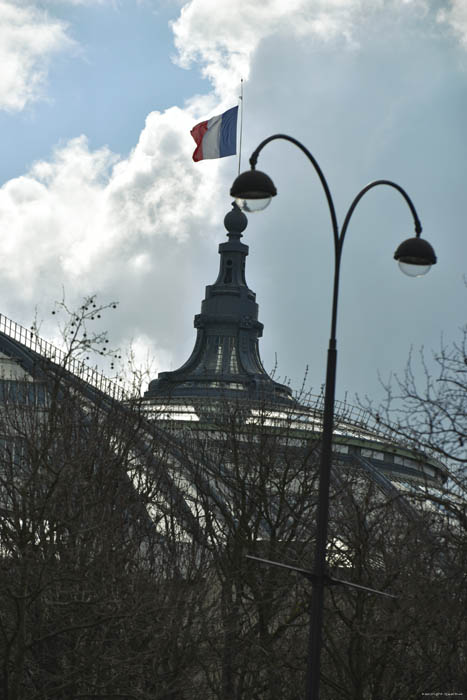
{"points": [[456, 17], [158, 189], [77, 210], [28, 39], [87, 220], [221, 38]]}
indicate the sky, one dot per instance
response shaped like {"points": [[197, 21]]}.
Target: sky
{"points": [[99, 193]]}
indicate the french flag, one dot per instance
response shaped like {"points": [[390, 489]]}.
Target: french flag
{"points": [[216, 137]]}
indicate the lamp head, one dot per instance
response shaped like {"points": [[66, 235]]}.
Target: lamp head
{"points": [[415, 256], [253, 190]]}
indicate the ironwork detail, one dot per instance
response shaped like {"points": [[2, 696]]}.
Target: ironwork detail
{"points": [[59, 357]]}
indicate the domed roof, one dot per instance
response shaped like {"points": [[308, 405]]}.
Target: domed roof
{"points": [[225, 360]]}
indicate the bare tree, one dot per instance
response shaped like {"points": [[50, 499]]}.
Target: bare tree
{"points": [[124, 535], [426, 408], [396, 649], [253, 487], [98, 588]]}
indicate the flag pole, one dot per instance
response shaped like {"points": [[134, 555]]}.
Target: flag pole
{"points": [[240, 97]]}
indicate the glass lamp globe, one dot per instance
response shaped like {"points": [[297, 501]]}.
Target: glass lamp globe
{"points": [[252, 205], [413, 270]]}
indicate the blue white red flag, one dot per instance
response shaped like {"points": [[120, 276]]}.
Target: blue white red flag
{"points": [[216, 137]]}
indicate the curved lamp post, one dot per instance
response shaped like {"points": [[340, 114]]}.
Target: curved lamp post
{"points": [[253, 191]]}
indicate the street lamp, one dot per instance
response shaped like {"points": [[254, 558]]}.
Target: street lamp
{"points": [[253, 190]]}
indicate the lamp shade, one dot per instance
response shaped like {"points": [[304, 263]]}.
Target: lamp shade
{"points": [[253, 190], [415, 256]]}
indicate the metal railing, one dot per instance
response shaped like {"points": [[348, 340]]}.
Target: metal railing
{"points": [[347, 416], [61, 358]]}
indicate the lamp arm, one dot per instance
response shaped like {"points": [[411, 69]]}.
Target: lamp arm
{"points": [[376, 183], [314, 162], [341, 237]]}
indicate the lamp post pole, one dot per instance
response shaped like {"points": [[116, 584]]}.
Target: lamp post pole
{"points": [[253, 187]]}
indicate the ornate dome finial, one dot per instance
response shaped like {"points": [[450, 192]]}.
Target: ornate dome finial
{"points": [[235, 221]]}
